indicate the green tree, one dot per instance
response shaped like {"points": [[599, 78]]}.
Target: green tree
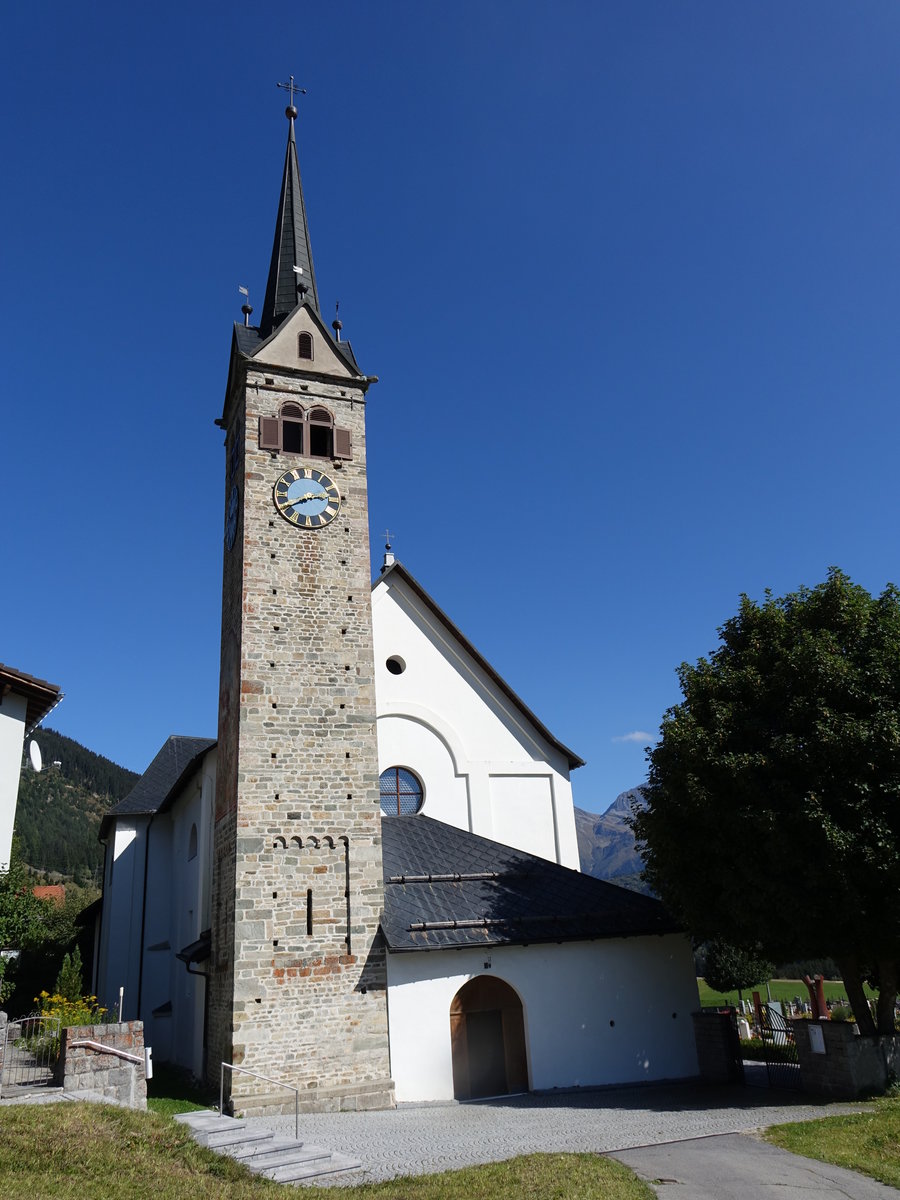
{"points": [[729, 968], [68, 982], [773, 803], [22, 918]]}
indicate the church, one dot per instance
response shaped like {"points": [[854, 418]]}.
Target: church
{"points": [[367, 884]]}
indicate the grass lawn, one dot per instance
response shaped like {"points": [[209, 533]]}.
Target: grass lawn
{"points": [[94, 1152], [868, 1142], [171, 1091], [782, 989]]}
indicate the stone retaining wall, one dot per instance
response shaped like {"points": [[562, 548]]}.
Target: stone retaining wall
{"points": [[718, 1047], [90, 1074], [841, 1064]]}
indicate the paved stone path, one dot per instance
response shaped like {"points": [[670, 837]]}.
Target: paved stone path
{"points": [[421, 1139]]}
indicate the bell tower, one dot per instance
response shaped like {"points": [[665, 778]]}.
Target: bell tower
{"points": [[297, 986]]}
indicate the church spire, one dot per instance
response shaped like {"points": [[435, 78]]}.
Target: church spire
{"points": [[292, 278]]}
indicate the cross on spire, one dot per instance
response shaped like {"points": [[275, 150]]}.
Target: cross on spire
{"points": [[290, 87]]}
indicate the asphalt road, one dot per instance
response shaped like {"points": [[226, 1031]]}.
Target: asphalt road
{"points": [[738, 1167]]}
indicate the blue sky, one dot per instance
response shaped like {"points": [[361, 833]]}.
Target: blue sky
{"points": [[628, 273]]}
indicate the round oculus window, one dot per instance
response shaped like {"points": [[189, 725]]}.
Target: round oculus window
{"points": [[401, 792], [395, 665]]}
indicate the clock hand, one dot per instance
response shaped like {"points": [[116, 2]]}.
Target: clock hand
{"points": [[289, 500], [308, 496]]}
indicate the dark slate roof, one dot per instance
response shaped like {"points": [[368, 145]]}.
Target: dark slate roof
{"points": [[40, 696], [162, 780], [290, 248], [398, 569], [446, 888]]}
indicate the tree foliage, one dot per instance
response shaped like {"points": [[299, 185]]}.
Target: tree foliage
{"points": [[69, 983], [773, 813], [729, 968], [22, 919]]}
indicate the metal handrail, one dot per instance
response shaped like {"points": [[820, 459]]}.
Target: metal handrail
{"points": [[268, 1079], [104, 1049]]}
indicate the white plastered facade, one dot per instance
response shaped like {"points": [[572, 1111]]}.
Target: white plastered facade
{"points": [[157, 890], [12, 739], [483, 765], [605, 1012]]}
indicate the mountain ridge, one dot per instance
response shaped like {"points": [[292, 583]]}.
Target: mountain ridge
{"points": [[606, 845], [59, 809]]}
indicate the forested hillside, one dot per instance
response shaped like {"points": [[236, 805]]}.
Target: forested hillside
{"points": [[59, 809]]}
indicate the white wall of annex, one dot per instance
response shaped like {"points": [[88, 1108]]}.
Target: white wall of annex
{"points": [[12, 738], [157, 923], [178, 897], [595, 1013], [120, 925], [483, 764]]}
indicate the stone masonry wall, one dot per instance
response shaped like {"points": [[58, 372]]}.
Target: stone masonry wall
{"points": [[221, 979], [851, 1065], [309, 977], [104, 1076], [718, 1047]]}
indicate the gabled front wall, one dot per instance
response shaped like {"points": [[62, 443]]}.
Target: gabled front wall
{"points": [[483, 765], [595, 1013]]}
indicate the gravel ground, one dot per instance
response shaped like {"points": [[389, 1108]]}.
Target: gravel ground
{"points": [[421, 1139]]}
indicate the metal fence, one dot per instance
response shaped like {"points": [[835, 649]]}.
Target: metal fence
{"points": [[29, 1049]]}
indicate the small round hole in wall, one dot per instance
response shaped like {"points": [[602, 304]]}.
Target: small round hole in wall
{"points": [[395, 665], [612, 1024]]}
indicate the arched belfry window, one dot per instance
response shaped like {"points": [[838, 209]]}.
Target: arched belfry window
{"points": [[292, 429], [192, 843], [321, 433], [313, 434], [401, 792], [305, 346]]}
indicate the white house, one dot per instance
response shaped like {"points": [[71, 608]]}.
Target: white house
{"points": [[24, 703]]}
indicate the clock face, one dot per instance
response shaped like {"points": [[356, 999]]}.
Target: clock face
{"points": [[231, 519], [307, 498]]}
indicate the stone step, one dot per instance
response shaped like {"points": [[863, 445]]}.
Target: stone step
{"points": [[254, 1149], [312, 1170], [206, 1119], [282, 1155], [282, 1159], [222, 1139]]}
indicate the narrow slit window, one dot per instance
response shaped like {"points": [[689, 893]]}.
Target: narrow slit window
{"points": [[309, 915]]}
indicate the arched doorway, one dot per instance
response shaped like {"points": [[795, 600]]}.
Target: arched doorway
{"points": [[487, 1037]]}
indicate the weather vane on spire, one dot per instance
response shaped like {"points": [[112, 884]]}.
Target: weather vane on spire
{"points": [[290, 87]]}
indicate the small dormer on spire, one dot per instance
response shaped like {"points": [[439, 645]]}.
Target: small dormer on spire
{"points": [[292, 278]]}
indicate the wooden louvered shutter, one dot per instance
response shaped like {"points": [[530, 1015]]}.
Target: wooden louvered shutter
{"points": [[269, 433], [343, 444]]}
